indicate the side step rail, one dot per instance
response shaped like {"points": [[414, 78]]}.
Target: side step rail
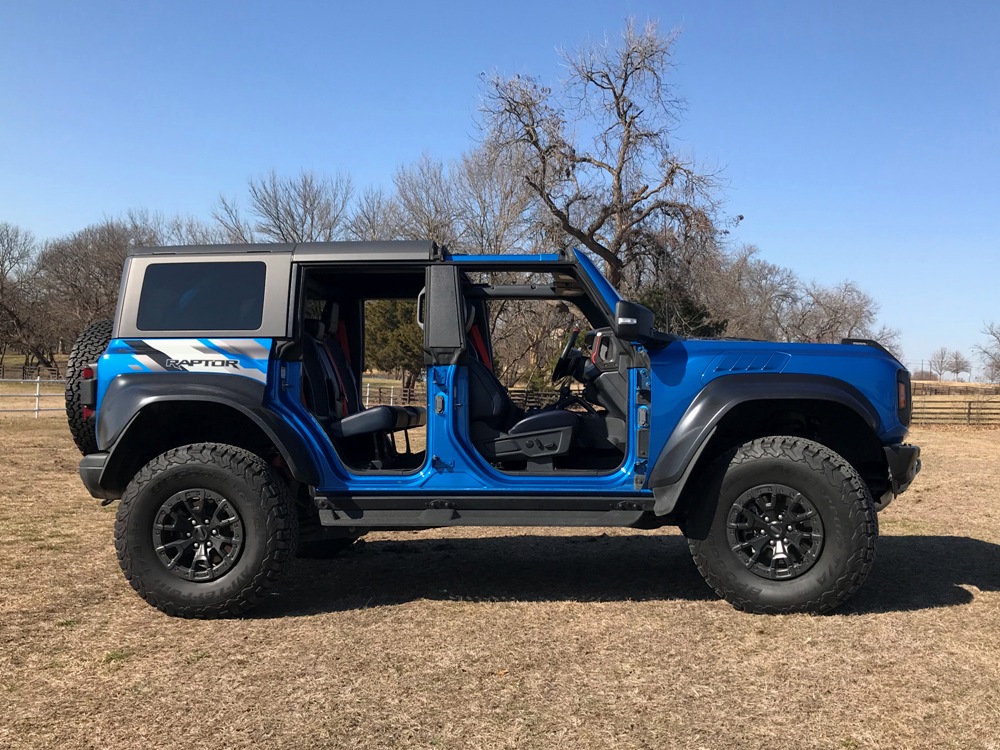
{"points": [[385, 512]]}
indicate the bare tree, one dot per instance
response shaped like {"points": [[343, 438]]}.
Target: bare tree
{"points": [[81, 273], [51, 292], [938, 363], [496, 211], [235, 225], [428, 205], [752, 296], [958, 363], [172, 230], [829, 314], [760, 300], [989, 353], [527, 335], [17, 245], [612, 192], [375, 216], [18, 248], [306, 208]]}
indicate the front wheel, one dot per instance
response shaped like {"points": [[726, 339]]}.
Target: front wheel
{"points": [[204, 530], [793, 529]]}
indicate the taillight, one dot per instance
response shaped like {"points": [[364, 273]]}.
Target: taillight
{"points": [[904, 397], [88, 390]]}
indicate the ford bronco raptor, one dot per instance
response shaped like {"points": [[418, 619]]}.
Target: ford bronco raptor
{"points": [[222, 409]]}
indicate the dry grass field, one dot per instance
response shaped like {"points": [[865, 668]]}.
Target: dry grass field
{"points": [[501, 638]]}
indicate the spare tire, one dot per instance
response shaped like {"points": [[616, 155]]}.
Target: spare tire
{"points": [[89, 347]]}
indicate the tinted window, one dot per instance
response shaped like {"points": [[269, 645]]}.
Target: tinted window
{"points": [[202, 297]]}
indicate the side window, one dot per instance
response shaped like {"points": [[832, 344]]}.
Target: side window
{"points": [[202, 297]]}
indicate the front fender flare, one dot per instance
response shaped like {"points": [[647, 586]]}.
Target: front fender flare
{"points": [[680, 454]]}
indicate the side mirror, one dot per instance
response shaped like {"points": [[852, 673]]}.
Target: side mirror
{"points": [[634, 322]]}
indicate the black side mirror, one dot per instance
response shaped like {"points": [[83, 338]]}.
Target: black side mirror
{"points": [[634, 322]]}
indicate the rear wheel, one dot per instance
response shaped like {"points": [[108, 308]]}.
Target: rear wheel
{"points": [[793, 529], [89, 346], [205, 530]]}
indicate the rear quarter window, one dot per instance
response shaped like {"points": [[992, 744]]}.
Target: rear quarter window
{"points": [[202, 297]]}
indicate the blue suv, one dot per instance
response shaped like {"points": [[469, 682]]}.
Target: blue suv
{"points": [[222, 408]]}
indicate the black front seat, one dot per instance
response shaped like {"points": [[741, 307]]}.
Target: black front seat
{"points": [[501, 430]]}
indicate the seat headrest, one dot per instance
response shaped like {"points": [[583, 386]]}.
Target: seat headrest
{"points": [[313, 327], [331, 317]]}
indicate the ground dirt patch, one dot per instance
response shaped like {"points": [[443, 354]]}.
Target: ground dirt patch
{"points": [[499, 639]]}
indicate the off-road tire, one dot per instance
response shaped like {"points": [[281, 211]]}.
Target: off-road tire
{"points": [[833, 488], [258, 494], [89, 346]]}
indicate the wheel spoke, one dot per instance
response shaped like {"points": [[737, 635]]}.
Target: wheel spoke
{"points": [[756, 517], [755, 543], [176, 543], [800, 517], [755, 556], [164, 527], [795, 545], [218, 520], [190, 510]]}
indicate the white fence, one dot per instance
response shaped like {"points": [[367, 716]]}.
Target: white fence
{"points": [[32, 397]]}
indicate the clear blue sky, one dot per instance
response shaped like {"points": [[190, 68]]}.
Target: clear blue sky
{"points": [[859, 139]]}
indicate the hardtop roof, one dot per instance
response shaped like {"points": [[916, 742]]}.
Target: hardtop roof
{"points": [[341, 251], [347, 251]]}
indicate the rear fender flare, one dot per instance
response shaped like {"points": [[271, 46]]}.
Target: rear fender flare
{"points": [[128, 395]]}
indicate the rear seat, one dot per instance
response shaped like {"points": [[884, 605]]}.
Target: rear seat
{"points": [[334, 395]]}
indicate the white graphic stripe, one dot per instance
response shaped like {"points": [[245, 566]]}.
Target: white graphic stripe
{"points": [[246, 347], [150, 363], [193, 356]]}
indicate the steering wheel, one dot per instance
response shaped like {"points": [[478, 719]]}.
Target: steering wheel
{"points": [[564, 366]]}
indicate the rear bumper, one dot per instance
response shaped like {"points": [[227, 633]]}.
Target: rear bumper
{"points": [[91, 471], [904, 465]]}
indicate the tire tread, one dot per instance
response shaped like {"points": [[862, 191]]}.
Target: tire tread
{"points": [[89, 346]]}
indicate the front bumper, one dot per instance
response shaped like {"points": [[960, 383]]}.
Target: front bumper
{"points": [[904, 465], [91, 470]]}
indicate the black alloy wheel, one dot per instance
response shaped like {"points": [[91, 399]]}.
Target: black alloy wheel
{"points": [[775, 531], [198, 535]]}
